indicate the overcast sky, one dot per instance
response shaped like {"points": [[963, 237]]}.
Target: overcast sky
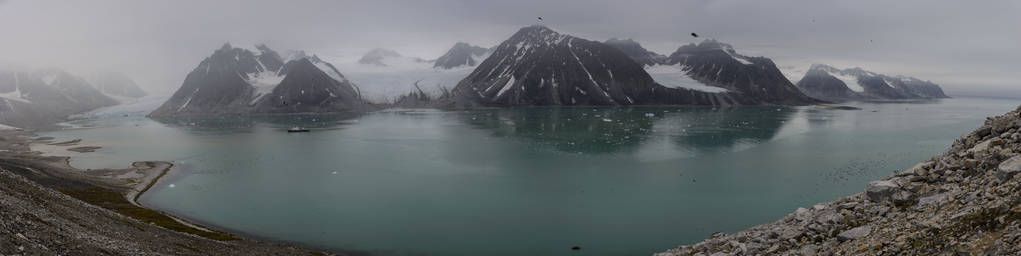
{"points": [[966, 46]]}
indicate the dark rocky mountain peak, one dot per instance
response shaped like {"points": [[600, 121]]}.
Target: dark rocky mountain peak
{"points": [[461, 54], [244, 81], [635, 50], [750, 80], [538, 66]]}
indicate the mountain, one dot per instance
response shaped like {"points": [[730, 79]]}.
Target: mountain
{"points": [[829, 83], [257, 80], [385, 57], [748, 80], [636, 51], [117, 84], [43, 97], [538, 66], [462, 54]]}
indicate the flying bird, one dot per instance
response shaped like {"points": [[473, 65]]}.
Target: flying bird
{"points": [[694, 35], [540, 18]]}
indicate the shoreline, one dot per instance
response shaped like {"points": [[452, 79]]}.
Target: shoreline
{"points": [[118, 190], [154, 173]]}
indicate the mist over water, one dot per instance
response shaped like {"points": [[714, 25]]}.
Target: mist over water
{"points": [[612, 180]]}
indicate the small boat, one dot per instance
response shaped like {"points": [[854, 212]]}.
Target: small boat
{"points": [[298, 129]]}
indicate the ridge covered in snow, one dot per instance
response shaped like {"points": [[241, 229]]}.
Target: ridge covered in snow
{"points": [[831, 83], [258, 79]]}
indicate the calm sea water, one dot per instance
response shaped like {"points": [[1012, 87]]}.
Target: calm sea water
{"points": [[524, 181]]}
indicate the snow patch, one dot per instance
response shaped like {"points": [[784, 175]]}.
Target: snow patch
{"points": [[16, 94], [264, 83], [506, 87], [850, 80], [730, 51], [888, 83], [674, 76]]}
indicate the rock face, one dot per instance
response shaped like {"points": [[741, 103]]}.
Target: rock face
{"points": [[117, 84], [637, 53], [748, 80], [540, 67], [254, 81], [963, 202], [461, 55], [42, 97], [833, 84]]}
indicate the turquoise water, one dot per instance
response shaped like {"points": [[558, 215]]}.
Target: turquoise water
{"points": [[525, 181]]}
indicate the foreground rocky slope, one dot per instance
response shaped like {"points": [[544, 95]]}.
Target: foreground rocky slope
{"points": [[48, 207], [966, 201], [35, 220]]}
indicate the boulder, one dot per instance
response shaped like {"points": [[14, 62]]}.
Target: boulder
{"points": [[854, 233], [881, 190], [1008, 168]]}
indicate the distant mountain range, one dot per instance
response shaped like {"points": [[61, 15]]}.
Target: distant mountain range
{"points": [[539, 66], [833, 84], [536, 66], [259, 81], [42, 97]]}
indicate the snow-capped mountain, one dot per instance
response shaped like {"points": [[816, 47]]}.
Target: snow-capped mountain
{"points": [[636, 51], [829, 83], [747, 80], [117, 84], [43, 97], [538, 66], [257, 80], [461, 54]]}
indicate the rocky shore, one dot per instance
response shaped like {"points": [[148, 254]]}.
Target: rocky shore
{"points": [[48, 207], [966, 201]]}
